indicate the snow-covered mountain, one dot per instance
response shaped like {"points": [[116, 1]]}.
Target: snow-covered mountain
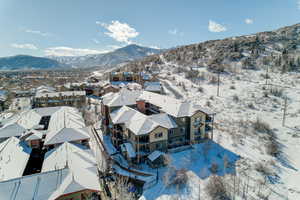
{"points": [[21, 62], [118, 56]]}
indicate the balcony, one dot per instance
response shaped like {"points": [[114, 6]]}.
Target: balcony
{"points": [[208, 119], [208, 128], [197, 133]]}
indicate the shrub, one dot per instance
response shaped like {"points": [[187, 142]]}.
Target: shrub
{"points": [[251, 105], [232, 87], [236, 98], [216, 188], [266, 94], [263, 169], [200, 89], [213, 79], [176, 177], [208, 103], [276, 92], [273, 148], [214, 168], [261, 126]]}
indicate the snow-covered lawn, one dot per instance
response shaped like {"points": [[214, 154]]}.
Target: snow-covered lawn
{"points": [[199, 162]]}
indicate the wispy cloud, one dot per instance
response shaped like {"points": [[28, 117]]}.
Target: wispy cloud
{"points": [[121, 32], [44, 34], [215, 27], [96, 41], [249, 21], [68, 51], [175, 32], [24, 46]]}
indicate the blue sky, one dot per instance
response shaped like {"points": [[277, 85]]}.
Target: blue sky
{"points": [[79, 27]]}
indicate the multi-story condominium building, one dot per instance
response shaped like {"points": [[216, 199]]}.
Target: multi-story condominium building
{"points": [[68, 98], [129, 77], [148, 122]]}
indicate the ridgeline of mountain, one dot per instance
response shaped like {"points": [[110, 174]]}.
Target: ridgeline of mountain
{"points": [[121, 55], [23, 62], [278, 49]]}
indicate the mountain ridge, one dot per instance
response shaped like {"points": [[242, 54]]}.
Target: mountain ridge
{"points": [[105, 60]]}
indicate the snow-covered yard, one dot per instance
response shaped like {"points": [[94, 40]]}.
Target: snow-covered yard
{"points": [[199, 162]]}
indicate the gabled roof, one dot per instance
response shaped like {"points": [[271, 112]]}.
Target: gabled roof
{"points": [[169, 105], [49, 185], [12, 130], [66, 135], [66, 124], [14, 155], [122, 98], [33, 135], [122, 115], [68, 155], [164, 120], [139, 123]]}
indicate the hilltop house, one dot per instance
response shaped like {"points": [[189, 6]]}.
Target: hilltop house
{"points": [[144, 122]]}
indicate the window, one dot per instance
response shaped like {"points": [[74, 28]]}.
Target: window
{"points": [[158, 145], [182, 129], [171, 131], [158, 135], [183, 119]]}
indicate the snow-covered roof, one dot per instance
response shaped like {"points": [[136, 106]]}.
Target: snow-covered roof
{"points": [[14, 155], [171, 106], [164, 120], [33, 135], [122, 98], [129, 149], [66, 124], [57, 94], [68, 155], [12, 130], [44, 89], [66, 135], [152, 86], [154, 155], [49, 185], [139, 123]]}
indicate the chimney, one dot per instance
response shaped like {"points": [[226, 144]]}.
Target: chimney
{"points": [[141, 105]]}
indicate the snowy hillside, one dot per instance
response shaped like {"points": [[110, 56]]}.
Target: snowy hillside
{"points": [[263, 154]]}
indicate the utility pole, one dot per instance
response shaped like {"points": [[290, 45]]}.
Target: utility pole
{"points": [[218, 92], [284, 111], [267, 71]]}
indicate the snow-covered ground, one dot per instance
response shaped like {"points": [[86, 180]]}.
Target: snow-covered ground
{"points": [[243, 99]]}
